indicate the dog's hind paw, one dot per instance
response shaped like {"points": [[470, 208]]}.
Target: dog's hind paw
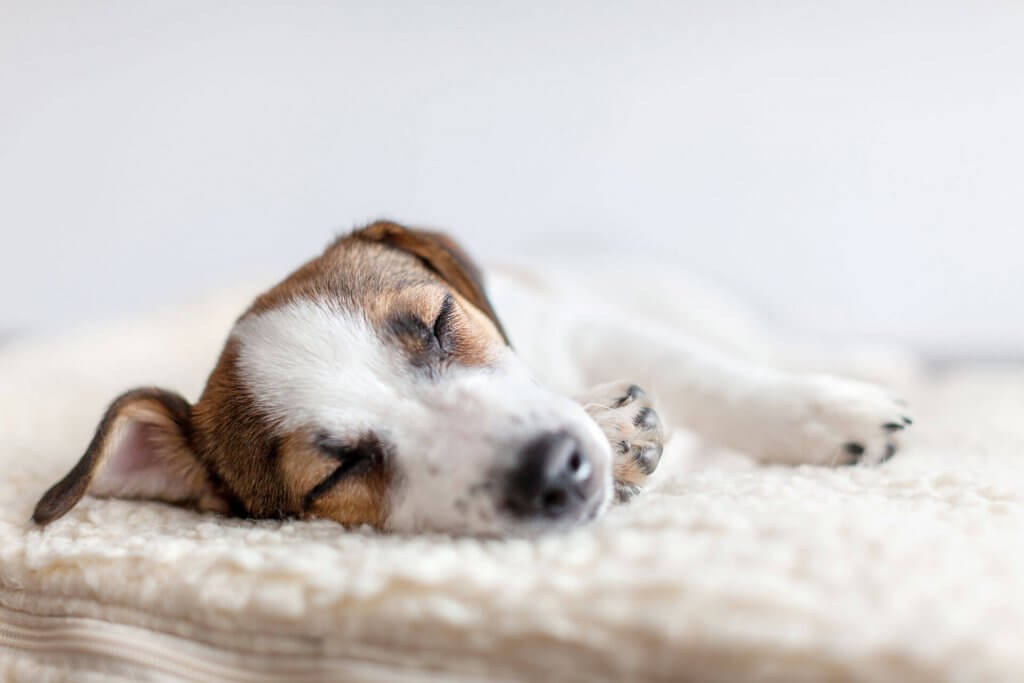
{"points": [[824, 420], [624, 413]]}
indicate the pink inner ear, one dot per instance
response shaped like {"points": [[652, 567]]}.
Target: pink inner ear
{"points": [[136, 467], [132, 453]]}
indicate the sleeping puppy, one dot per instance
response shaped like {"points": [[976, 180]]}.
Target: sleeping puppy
{"points": [[376, 385]]}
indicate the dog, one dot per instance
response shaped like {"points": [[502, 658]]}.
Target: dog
{"points": [[376, 385]]}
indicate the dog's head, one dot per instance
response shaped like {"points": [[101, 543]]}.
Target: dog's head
{"points": [[375, 385]]}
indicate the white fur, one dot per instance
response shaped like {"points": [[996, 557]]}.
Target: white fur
{"points": [[732, 398], [311, 364]]}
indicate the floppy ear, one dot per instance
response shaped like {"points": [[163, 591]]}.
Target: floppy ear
{"points": [[442, 255], [142, 449]]}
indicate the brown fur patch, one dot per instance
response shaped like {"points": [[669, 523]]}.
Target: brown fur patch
{"points": [[238, 443], [361, 499], [302, 466], [443, 256]]}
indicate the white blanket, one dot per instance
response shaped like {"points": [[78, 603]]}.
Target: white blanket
{"points": [[724, 571]]}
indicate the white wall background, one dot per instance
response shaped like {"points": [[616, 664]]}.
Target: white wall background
{"points": [[855, 168]]}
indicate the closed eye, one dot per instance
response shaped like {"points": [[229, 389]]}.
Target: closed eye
{"points": [[354, 459], [427, 343], [443, 325]]}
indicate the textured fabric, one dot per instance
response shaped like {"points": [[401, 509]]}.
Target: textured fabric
{"points": [[723, 571]]}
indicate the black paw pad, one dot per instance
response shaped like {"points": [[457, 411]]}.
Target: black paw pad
{"points": [[646, 419], [633, 393], [647, 459]]}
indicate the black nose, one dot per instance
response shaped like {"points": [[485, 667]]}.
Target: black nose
{"points": [[550, 477]]}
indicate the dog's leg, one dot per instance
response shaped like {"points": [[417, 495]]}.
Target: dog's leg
{"points": [[624, 412], [772, 415]]}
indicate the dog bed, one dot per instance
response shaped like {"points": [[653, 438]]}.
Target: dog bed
{"points": [[724, 571]]}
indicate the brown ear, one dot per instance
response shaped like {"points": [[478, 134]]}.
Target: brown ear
{"points": [[142, 449], [442, 255]]}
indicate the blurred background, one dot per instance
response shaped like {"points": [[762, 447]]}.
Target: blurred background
{"points": [[854, 169]]}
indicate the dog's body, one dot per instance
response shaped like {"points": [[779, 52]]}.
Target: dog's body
{"points": [[376, 385]]}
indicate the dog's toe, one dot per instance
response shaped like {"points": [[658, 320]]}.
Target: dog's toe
{"points": [[625, 413], [843, 422]]}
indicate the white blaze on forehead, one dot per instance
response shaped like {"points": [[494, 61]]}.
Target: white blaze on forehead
{"points": [[311, 364]]}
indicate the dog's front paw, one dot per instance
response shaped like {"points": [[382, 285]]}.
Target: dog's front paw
{"points": [[624, 412], [833, 421]]}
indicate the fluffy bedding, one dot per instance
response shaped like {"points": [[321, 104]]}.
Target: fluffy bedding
{"points": [[723, 571]]}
